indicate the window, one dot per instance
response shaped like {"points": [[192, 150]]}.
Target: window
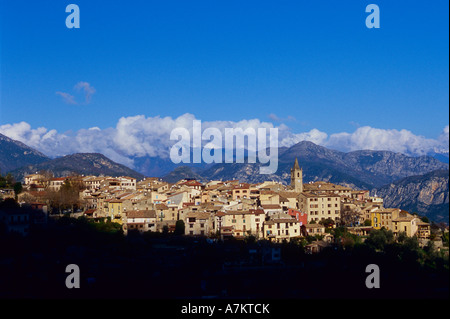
{"points": [[202, 225]]}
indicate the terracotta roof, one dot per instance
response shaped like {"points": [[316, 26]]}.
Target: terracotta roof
{"points": [[289, 194], [199, 215], [271, 206], [312, 195], [403, 219], [256, 211], [284, 220], [161, 207], [220, 214], [141, 214], [313, 226], [243, 212]]}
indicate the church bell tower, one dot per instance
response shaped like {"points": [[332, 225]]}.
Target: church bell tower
{"points": [[297, 177]]}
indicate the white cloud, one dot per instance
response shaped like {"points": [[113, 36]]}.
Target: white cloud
{"points": [[67, 98], [83, 87], [87, 89], [276, 118], [315, 136], [150, 136], [370, 138]]}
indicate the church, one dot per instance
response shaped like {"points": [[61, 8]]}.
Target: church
{"points": [[297, 178]]}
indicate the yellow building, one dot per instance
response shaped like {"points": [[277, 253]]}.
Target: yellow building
{"points": [[115, 210], [383, 217]]}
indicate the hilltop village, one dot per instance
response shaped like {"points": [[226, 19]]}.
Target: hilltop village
{"points": [[218, 209]]}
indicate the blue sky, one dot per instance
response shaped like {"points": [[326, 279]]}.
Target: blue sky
{"points": [[307, 64]]}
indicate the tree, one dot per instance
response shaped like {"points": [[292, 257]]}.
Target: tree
{"points": [[367, 222], [9, 180], [350, 216], [69, 194], [179, 227], [425, 219], [379, 238], [328, 222], [401, 237], [17, 188]]}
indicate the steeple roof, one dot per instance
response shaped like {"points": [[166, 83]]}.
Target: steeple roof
{"points": [[296, 166]]}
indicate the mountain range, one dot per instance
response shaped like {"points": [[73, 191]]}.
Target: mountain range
{"points": [[404, 181], [427, 194], [359, 169], [78, 163], [15, 154]]}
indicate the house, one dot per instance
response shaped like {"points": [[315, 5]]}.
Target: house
{"points": [[360, 230], [244, 222], [92, 182], [271, 209], [198, 223], [17, 221], [384, 217], [127, 182], [411, 226], [321, 205], [56, 183], [316, 246], [193, 184], [423, 230], [277, 230], [300, 216], [90, 213], [164, 213], [289, 199], [312, 229], [241, 191], [140, 220], [35, 181], [269, 197], [325, 187], [114, 210]]}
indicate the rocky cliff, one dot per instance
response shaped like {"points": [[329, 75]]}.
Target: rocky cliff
{"points": [[426, 194]]}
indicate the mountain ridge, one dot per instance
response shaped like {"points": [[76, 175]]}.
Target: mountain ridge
{"points": [[79, 163], [15, 154], [426, 194]]}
